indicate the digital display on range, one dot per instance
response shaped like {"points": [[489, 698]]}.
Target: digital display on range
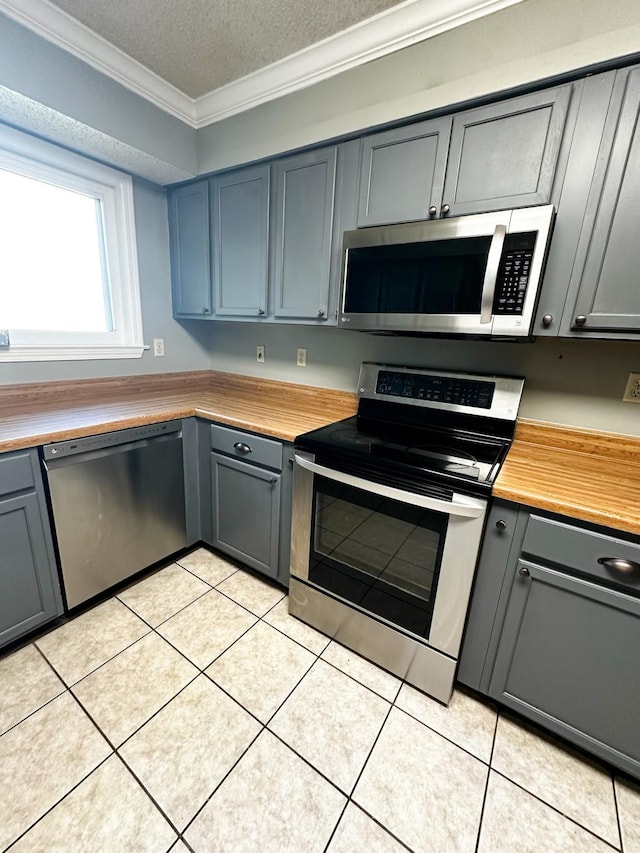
{"points": [[438, 389]]}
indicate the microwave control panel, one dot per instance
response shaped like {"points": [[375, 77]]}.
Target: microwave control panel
{"points": [[513, 274]]}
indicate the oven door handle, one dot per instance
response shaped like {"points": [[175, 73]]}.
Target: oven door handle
{"points": [[491, 273], [463, 505]]}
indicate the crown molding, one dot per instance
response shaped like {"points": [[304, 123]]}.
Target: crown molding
{"points": [[59, 28], [401, 26]]}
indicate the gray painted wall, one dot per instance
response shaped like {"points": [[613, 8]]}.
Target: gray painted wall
{"points": [[531, 41], [567, 381], [48, 91], [186, 347]]}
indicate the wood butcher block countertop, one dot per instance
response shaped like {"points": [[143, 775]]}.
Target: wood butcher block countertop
{"points": [[584, 474], [54, 411]]}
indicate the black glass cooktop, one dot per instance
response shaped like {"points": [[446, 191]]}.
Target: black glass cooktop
{"points": [[428, 452]]}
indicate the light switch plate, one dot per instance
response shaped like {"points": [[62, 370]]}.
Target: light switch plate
{"points": [[632, 391]]}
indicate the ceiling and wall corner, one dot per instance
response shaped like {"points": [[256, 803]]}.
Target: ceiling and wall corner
{"points": [[202, 61]]}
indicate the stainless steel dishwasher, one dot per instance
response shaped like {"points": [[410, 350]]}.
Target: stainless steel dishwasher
{"points": [[118, 504]]}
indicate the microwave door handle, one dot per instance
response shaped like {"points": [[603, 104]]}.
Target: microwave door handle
{"points": [[491, 273], [462, 505]]}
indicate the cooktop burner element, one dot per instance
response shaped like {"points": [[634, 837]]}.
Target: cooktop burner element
{"points": [[450, 428]]}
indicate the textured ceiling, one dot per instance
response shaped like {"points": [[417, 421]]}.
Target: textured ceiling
{"points": [[199, 45]]}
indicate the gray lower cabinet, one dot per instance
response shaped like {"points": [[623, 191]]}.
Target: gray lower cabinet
{"points": [[29, 586], [189, 242], [604, 297], [250, 500], [560, 638]]}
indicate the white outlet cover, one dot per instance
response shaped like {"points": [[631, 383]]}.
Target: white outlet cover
{"points": [[632, 391], [301, 358]]}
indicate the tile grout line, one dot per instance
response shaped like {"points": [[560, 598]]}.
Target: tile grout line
{"points": [[618, 815], [486, 784]]}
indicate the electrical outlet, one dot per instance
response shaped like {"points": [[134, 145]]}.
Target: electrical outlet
{"points": [[260, 354], [301, 359], [158, 346], [632, 391]]}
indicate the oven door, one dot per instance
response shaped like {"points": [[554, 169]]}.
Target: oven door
{"points": [[407, 559]]}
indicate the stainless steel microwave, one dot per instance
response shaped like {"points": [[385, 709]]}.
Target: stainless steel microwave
{"points": [[474, 275]]}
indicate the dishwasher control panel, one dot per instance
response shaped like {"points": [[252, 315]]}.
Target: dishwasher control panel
{"points": [[73, 446]]}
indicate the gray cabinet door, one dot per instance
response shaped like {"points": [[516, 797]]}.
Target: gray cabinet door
{"points": [[240, 221], [608, 258], [402, 172], [305, 187], [190, 255], [246, 512], [504, 155], [28, 593], [567, 658]]}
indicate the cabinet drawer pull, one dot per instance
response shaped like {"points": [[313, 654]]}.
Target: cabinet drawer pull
{"points": [[580, 320], [241, 447], [620, 565], [524, 572]]}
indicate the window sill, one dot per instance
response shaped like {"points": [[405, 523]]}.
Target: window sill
{"points": [[18, 353]]}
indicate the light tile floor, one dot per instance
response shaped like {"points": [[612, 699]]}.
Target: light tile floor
{"points": [[191, 712]]}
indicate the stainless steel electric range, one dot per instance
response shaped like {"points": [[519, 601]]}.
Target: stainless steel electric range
{"points": [[389, 509]]}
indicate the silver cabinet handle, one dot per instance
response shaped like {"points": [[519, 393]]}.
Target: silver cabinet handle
{"points": [[320, 313], [205, 310], [433, 210], [620, 566], [524, 572], [491, 273], [547, 320], [444, 210], [580, 320], [241, 447], [501, 524]]}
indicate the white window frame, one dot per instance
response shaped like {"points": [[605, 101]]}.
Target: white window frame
{"points": [[35, 158]]}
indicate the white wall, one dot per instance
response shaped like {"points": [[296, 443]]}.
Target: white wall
{"points": [[528, 42], [567, 381]]}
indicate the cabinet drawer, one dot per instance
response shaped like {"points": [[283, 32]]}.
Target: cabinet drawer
{"points": [[16, 472], [579, 549], [251, 448]]}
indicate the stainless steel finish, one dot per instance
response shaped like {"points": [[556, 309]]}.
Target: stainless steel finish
{"points": [[491, 273], [524, 572], [433, 210], [461, 505], [118, 505], [459, 556], [399, 653], [547, 320], [539, 219], [501, 524], [445, 209], [506, 397], [580, 320], [241, 447], [620, 566]]}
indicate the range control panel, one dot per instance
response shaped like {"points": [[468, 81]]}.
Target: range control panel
{"points": [[438, 389], [513, 273]]}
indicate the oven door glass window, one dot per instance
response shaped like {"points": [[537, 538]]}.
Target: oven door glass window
{"points": [[381, 555]]}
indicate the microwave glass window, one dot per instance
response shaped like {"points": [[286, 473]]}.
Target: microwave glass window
{"points": [[439, 277], [379, 554]]}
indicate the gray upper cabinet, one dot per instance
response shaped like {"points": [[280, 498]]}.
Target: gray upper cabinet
{"points": [[604, 295], [240, 240], [402, 173], [305, 190], [29, 588], [504, 155], [190, 255]]}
